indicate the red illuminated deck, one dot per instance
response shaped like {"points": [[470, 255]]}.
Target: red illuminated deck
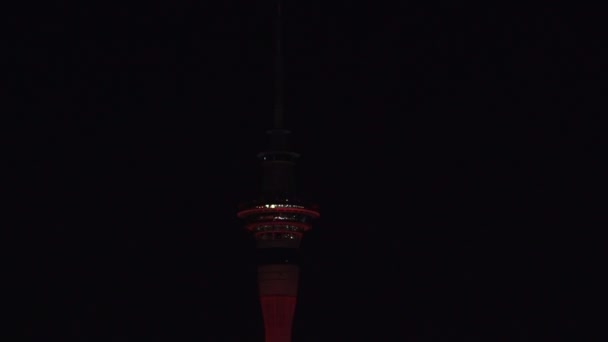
{"points": [[270, 210]]}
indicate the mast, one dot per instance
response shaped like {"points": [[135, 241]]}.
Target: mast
{"points": [[278, 72]]}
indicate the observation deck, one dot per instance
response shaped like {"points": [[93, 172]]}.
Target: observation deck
{"points": [[278, 224]]}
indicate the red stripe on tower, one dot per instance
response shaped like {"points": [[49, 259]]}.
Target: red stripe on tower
{"points": [[278, 312]]}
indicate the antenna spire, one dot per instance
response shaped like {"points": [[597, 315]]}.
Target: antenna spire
{"points": [[278, 106]]}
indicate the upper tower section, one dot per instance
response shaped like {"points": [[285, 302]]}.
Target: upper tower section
{"points": [[278, 168], [278, 218]]}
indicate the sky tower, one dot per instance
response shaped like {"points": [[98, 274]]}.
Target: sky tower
{"points": [[278, 219]]}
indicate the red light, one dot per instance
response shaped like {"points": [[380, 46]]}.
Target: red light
{"points": [[307, 212], [278, 312], [279, 232], [253, 226]]}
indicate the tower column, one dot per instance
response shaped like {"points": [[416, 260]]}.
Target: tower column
{"points": [[278, 288]]}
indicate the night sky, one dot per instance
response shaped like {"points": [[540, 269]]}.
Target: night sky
{"points": [[455, 153]]}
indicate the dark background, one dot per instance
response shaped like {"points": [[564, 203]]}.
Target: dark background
{"points": [[455, 152]]}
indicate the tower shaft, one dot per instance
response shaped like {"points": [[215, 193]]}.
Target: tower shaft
{"points": [[278, 286]]}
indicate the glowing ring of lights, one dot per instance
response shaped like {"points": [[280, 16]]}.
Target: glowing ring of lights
{"points": [[298, 234], [253, 226], [249, 212], [280, 205]]}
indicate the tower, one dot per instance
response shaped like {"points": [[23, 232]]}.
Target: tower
{"points": [[278, 220]]}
